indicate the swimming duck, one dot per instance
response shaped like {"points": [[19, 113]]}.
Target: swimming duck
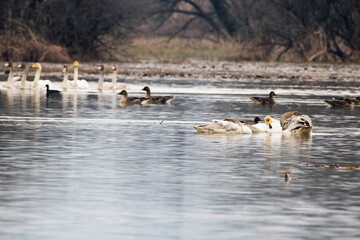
{"points": [[156, 99], [267, 100], [23, 84], [37, 82], [11, 79], [295, 123], [228, 127], [131, 100], [82, 84], [346, 103], [50, 92]]}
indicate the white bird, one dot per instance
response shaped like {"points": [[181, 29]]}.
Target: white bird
{"points": [[226, 126], [101, 84], [119, 86], [295, 123], [23, 84], [82, 84], [11, 79], [37, 83], [67, 84], [269, 126]]}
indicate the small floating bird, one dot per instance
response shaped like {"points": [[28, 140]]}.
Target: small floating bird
{"points": [[346, 103], [264, 100], [82, 84], [156, 99], [50, 92], [228, 127], [131, 100], [295, 123]]}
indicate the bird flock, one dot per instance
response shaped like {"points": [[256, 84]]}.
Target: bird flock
{"points": [[291, 122], [75, 84]]}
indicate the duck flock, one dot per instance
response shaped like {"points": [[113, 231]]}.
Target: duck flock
{"points": [[291, 122]]}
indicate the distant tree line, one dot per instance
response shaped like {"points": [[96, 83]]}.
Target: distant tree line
{"points": [[53, 30], [85, 28], [317, 30]]}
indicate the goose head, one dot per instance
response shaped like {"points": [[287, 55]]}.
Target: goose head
{"points": [[47, 87], [349, 101], [114, 68], [257, 120], [272, 93], [146, 88], [268, 121], [123, 93], [76, 64]]}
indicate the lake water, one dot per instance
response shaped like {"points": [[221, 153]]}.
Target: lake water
{"points": [[81, 166]]}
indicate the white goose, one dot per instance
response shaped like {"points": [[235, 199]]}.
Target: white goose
{"points": [[82, 84], [226, 126], [23, 84], [11, 79], [37, 83], [295, 123]]}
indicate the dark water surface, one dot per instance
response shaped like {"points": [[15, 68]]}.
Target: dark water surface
{"points": [[81, 166]]}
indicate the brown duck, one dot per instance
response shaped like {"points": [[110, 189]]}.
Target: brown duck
{"points": [[264, 100], [131, 100], [156, 99]]}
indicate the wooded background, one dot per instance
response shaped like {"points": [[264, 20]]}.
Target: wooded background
{"points": [[282, 30]]}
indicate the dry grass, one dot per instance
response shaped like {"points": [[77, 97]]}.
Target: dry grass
{"points": [[179, 50], [17, 47]]}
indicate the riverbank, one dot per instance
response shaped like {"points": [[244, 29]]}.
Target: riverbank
{"points": [[197, 69]]}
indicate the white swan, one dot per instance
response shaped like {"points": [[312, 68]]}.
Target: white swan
{"points": [[118, 86], [37, 82], [11, 79], [269, 126], [23, 84], [67, 84], [228, 127], [295, 123], [101, 84], [82, 84]]}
